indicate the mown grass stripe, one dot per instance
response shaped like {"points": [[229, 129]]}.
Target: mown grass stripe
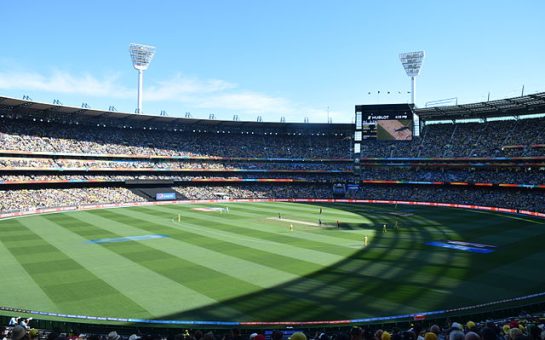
{"points": [[217, 261], [194, 285], [24, 292], [358, 216], [397, 272], [257, 250], [130, 280], [84, 293], [260, 228], [155, 214], [236, 232], [309, 281], [297, 211], [169, 262], [234, 210]]}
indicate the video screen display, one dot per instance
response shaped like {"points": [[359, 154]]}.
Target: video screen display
{"points": [[395, 129], [389, 122]]}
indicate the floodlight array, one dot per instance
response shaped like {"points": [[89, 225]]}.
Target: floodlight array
{"points": [[141, 55], [412, 62]]}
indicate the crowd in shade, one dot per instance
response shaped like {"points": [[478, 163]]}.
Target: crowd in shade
{"points": [[28, 199], [49, 137], [255, 191], [491, 139], [517, 176], [533, 200], [525, 327]]}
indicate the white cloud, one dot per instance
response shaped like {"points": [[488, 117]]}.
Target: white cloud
{"points": [[245, 101], [322, 115], [180, 88], [193, 93], [64, 83]]}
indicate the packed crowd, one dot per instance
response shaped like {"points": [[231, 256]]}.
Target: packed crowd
{"points": [[254, 191], [507, 198], [510, 176], [466, 140], [87, 177], [49, 137], [28, 199], [317, 177], [526, 327], [444, 140], [533, 200], [19, 162], [518, 176], [490, 139]]}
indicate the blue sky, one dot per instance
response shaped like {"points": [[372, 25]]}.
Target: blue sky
{"points": [[291, 58]]}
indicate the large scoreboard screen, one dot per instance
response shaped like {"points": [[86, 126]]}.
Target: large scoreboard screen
{"points": [[384, 122]]}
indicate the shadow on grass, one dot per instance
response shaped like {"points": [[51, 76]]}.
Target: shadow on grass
{"points": [[385, 278]]}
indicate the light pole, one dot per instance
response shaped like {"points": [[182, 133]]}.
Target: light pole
{"points": [[141, 56], [412, 62]]}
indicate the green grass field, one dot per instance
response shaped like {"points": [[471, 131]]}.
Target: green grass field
{"points": [[248, 266]]}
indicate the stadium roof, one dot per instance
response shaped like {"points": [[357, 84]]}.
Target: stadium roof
{"points": [[517, 106], [32, 109], [509, 107]]}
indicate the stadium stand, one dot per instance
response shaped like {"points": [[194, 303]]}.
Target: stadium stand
{"points": [[51, 157], [90, 156], [42, 136], [490, 139]]}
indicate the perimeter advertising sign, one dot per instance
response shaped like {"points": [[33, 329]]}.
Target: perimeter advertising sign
{"points": [[165, 196]]}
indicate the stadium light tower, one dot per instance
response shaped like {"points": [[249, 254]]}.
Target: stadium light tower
{"points": [[141, 56], [412, 62]]}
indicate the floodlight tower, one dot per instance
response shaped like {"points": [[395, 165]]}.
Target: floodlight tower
{"points": [[141, 56], [412, 62]]}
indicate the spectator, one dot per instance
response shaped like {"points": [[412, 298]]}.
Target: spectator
{"points": [[14, 321], [472, 336], [18, 332], [25, 322], [298, 336], [456, 334]]}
